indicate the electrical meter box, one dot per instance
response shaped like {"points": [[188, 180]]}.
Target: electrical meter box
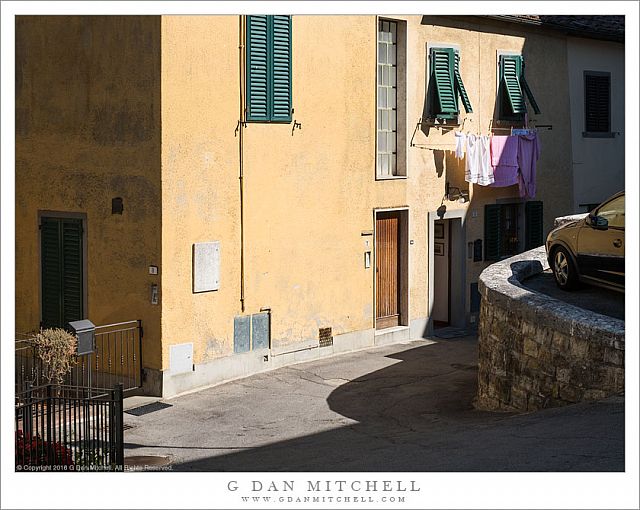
{"points": [[85, 330]]}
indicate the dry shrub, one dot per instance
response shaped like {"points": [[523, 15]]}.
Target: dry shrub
{"points": [[56, 349]]}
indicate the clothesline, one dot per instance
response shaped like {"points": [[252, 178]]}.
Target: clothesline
{"points": [[500, 161]]}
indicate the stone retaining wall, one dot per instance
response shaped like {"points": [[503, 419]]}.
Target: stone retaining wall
{"points": [[536, 351]]}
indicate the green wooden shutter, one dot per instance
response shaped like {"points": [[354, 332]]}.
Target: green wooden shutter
{"points": [[442, 72], [257, 68], [281, 69], [597, 103], [510, 71], [527, 90], [51, 265], [492, 231], [533, 225], [62, 263], [460, 87], [71, 270]]}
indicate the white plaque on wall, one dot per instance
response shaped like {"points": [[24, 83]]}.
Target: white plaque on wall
{"points": [[206, 266]]}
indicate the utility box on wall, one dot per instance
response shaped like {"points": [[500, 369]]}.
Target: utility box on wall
{"points": [[206, 266]]}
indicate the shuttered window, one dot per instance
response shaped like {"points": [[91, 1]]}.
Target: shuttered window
{"points": [[534, 225], [492, 232], [268, 60], [62, 274], [503, 231], [446, 84], [514, 88], [597, 102], [462, 92]]}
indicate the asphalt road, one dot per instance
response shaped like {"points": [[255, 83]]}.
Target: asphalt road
{"points": [[596, 299], [406, 407]]}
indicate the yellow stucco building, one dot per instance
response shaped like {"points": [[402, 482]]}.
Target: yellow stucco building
{"points": [[261, 190]]}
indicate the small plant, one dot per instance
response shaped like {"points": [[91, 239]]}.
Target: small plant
{"points": [[56, 349], [34, 451]]}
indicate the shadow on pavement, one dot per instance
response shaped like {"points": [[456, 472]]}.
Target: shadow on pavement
{"points": [[418, 415]]}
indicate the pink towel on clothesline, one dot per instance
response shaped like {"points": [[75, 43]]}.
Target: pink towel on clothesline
{"points": [[504, 160]]}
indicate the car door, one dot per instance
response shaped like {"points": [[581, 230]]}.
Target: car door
{"points": [[601, 251]]}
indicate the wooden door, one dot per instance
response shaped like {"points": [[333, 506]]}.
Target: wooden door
{"points": [[387, 270]]}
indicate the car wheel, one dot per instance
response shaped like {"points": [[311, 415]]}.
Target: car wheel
{"points": [[564, 269]]}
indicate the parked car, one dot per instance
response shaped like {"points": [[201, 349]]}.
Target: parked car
{"points": [[590, 250]]}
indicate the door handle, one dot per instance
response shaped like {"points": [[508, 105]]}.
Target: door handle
{"points": [[617, 243]]}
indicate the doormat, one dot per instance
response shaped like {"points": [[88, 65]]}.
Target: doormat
{"points": [[149, 408], [447, 333]]}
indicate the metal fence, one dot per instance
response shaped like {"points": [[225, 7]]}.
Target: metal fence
{"points": [[67, 428], [117, 359]]}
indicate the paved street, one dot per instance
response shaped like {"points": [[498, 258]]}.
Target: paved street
{"points": [[405, 407]]}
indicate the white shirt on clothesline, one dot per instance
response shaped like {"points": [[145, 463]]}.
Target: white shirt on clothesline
{"points": [[478, 169]]}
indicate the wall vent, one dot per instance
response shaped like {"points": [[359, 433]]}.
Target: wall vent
{"points": [[325, 337]]}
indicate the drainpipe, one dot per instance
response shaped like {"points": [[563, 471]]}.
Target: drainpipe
{"points": [[241, 151]]}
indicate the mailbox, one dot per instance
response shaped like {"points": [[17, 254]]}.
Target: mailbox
{"points": [[85, 330]]}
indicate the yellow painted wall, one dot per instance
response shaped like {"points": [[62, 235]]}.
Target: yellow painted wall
{"points": [[308, 193], [159, 127], [200, 194], [88, 130]]}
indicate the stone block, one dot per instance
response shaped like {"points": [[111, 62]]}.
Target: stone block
{"points": [[570, 393], [614, 357], [530, 348], [559, 342], [543, 336], [534, 402], [579, 348], [531, 366], [563, 375], [518, 399], [594, 394]]}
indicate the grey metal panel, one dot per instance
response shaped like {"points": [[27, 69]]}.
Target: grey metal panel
{"points": [[241, 333], [260, 331], [181, 358], [206, 266]]}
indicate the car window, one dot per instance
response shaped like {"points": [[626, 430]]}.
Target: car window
{"points": [[613, 212]]}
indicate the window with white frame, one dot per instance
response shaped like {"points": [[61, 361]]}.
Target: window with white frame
{"points": [[387, 122]]}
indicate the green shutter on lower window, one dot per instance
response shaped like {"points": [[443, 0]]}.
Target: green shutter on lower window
{"points": [[62, 271], [72, 270], [460, 86], [492, 231], [442, 72], [257, 68], [51, 272], [281, 69], [534, 233]]}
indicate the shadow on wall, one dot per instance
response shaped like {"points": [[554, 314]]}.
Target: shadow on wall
{"points": [[416, 415]]}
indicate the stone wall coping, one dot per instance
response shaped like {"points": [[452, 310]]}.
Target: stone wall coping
{"points": [[566, 219], [501, 284]]}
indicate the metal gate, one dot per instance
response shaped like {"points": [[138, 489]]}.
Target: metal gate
{"points": [[116, 360]]}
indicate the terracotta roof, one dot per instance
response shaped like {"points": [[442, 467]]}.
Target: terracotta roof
{"points": [[610, 28]]}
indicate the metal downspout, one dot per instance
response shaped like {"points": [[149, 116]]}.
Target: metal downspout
{"points": [[241, 151]]}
